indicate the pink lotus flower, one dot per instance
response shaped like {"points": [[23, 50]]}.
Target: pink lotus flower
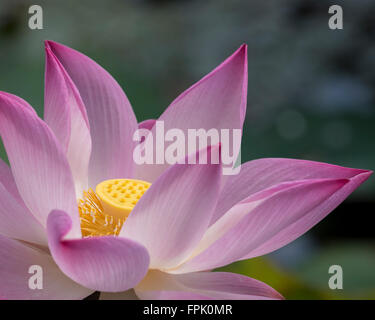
{"points": [[190, 220]]}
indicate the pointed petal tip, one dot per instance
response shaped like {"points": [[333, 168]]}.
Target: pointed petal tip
{"points": [[363, 173], [54, 46], [366, 174], [50, 57], [48, 52], [46, 44], [49, 44], [243, 48], [240, 54]]}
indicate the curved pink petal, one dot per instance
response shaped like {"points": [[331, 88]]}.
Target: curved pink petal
{"points": [[203, 285], [16, 260], [112, 121], [6, 178], [217, 101], [38, 164], [260, 174], [66, 115], [104, 263], [244, 229], [16, 221], [173, 214]]}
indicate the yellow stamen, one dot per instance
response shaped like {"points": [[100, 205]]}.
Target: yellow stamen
{"points": [[104, 212]]}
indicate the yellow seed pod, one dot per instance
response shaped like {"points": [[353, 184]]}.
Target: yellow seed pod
{"points": [[119, 196]]}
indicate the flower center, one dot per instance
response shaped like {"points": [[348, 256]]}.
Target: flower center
{"points": [[104, 211]]}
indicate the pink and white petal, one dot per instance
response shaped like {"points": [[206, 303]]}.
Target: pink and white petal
{"points": [[110, 264], [65, 114], [301, 226], [256, 220], [203, 285], [217, 101], [112, 120], [17, 222], [172, 216], [15, 273], [7, 180], [261, 174], [39, 166]]}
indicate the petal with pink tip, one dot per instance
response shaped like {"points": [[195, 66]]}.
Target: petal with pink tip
{"points": [[264, 173], [173, 214], [66, 115], [250, 224], [112, 120], [204, 285], [16, 273], [110, 264], [261, 174], [38, 164], [218, 101]]}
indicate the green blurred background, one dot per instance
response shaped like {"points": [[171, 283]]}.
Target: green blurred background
{"points": [[311, 95]]}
